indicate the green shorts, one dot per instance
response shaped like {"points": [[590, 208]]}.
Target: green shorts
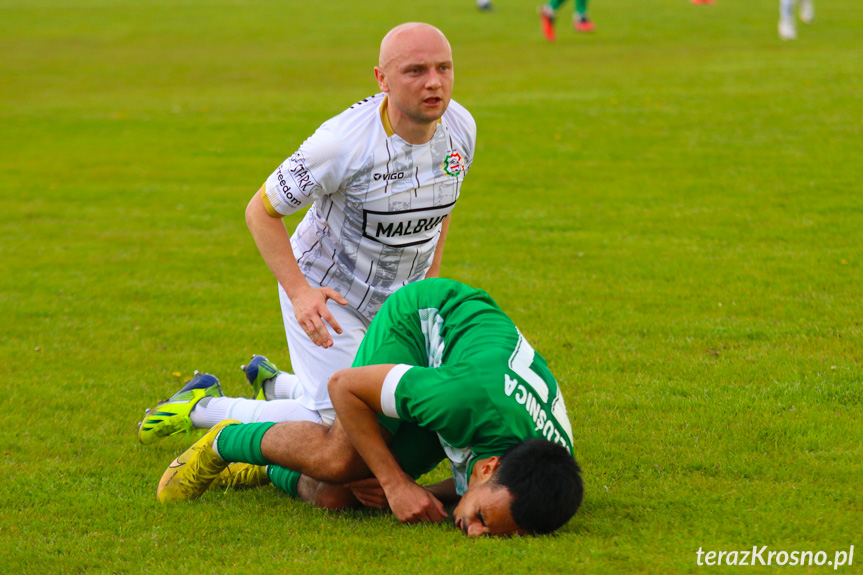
{"points": [[417, 450]]}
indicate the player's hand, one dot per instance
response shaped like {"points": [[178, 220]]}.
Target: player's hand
{"points": [[369, 492], [412, 503], [310, 309]]}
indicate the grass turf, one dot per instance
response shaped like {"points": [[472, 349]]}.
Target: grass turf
{"points": [[668, 208]]}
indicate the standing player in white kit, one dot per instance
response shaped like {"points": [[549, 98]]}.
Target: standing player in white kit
{"points": [[379, 181]]}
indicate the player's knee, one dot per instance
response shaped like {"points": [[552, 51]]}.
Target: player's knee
{"points": [[336, 381], [333, 497], [345, 467]]}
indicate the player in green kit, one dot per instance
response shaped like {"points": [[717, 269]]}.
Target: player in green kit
{"points": [[441, 373], [580, 21]]}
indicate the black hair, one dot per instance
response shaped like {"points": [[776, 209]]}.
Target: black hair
{"points": [[545, 483]]}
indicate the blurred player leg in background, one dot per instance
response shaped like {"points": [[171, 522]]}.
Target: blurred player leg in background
{"points": [[546, 15], [787, 20], [580, 20], [807, 11], [787, 24]]}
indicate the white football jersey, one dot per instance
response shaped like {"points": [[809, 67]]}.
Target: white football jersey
{"points": [[377, 202]]}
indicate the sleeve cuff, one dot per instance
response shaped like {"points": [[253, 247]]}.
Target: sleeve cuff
{"points": [[388, 391], [268, 203]]}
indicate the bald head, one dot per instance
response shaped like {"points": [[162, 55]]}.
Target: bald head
{"points": [[415, 71], [410, 38]]}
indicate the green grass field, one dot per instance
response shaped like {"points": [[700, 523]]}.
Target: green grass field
{"points": [[670, 209]]}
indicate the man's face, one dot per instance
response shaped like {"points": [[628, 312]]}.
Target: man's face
{"points": [[485, 510], [418, 77]]}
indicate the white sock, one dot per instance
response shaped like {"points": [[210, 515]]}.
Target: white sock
{"points": [[286, 410], [786, 9], [216, 446], [250, 411], [285, 386], [206, 414]]}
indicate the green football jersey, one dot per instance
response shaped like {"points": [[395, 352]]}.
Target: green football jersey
{"points": [[467, 384]]}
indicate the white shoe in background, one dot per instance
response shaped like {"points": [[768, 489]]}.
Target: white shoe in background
{"points": [[787, 29], [807, 11]]}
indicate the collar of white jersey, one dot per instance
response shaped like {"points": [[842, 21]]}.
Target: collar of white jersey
{"points": [[385, 119]]}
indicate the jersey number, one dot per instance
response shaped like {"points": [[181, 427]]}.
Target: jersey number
{"points": [[521, 363]]}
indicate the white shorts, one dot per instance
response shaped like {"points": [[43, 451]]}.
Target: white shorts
{"points": [[313, 364]]}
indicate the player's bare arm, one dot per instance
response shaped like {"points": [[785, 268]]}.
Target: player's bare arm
{"points": [[444, 491], [310, 304], [370, 493], [356, 395], [434, 270]]}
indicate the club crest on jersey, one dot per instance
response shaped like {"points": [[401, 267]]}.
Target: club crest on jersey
{"points": [[452, 163]]}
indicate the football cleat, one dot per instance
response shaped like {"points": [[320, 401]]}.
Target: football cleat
{"points": [[241, 476], [546, 15], [583, 24], [259, 370], [702, 1], [191, 474], [787, 29], [807, 11], [171, 416]]}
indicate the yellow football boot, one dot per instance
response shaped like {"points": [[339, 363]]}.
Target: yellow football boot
{"points": [[171, 416], [189, 476], [241, 476]]}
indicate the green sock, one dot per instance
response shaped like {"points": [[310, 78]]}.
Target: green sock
{"points": [[284, 478], [581, 7], [242, 443], [555, 4]]}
